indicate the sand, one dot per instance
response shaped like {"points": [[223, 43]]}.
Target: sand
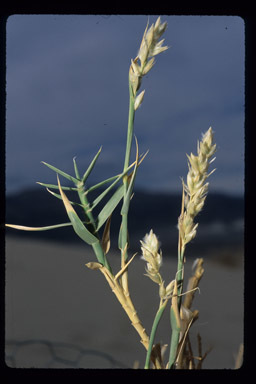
{"points": [[60, 314]]}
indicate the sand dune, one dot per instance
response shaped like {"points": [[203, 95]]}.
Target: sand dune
{"points": [[61, 314]]}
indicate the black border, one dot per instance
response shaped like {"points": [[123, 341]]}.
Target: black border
{"points": [[16, 7]]}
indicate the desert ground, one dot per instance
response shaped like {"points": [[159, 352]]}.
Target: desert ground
{"points": [[60, 314]]}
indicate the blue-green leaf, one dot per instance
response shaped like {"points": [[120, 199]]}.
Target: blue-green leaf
{"points": [[53, 186], [77, 224], [110, 206], [101, 184], [59, 197], [76, 169], [64, 174], [90, 168], [104, 193]]}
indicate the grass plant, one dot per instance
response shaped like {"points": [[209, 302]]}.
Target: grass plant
{"points": [[94, 229]]}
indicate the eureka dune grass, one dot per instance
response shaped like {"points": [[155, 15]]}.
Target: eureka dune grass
{"points": [[94, 229]]}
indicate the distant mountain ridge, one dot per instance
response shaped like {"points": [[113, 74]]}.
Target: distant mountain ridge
{"points": [[160, 211]]}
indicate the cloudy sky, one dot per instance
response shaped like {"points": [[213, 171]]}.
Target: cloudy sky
{"points": [[67, 95]]}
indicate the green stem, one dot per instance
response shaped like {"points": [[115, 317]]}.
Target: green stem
{"points": [[153, 332], [130, 128], [124, 225], [175, 328], [174, 345], [97, 248]]}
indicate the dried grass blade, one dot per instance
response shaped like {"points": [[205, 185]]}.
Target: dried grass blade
{"points": [[105, 242], [47, 228], [119, 274]]}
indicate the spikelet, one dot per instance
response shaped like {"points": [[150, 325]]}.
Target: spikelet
{"points": [[195, 191], [151, 254], [149, 48], [138, 100]]}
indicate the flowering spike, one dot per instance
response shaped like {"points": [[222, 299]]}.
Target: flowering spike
{"points": [[197, 187], [150, 253], [150, 46]]}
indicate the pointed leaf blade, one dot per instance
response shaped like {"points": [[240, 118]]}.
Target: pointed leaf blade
{"points": [[110, 206], [76, 169], [64, 174], [90, 168], [60, 197], [104, 193], [98, 185], [53, 186], [47, 228], [119, 176], [77, 224]]}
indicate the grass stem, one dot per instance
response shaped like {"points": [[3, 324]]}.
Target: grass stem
{"points": [[97, 248], [124, 238], [153, 332], [174, 323]]}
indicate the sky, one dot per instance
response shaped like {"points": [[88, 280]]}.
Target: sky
{"points": [[67, 95]]}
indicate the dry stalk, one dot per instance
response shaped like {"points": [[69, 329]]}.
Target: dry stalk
{"points": [[239, 357], [125, 301], [188, 317], [193, 283], [200, 356]]}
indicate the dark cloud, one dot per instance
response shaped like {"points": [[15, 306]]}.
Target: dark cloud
{"points": [[67, 94]]}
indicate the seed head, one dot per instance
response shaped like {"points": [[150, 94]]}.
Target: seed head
{"points": [[139, 100], [196, 189], [150, 47], [151, 254]]}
